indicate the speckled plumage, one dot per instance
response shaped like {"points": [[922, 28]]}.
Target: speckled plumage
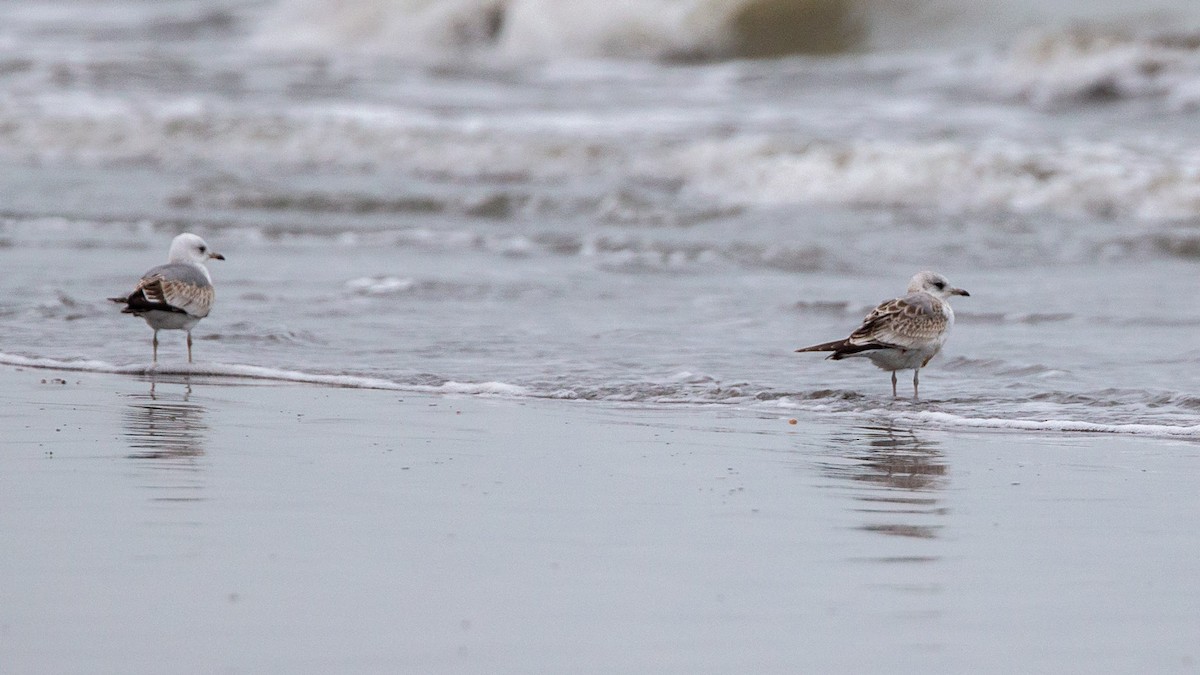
{"points": [[910, 322], [902, 333]]}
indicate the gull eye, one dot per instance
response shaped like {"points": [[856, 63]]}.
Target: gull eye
{"points": [[940, 285], [202, 249]]}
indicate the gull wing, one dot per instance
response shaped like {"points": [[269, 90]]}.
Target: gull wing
{"points": [[172, 288], [908, 323]]}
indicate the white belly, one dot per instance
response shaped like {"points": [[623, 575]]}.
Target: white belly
{"points": [[902, 359], [170, 320]]}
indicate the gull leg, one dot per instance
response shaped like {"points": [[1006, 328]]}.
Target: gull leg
{"points": [[155, 343], [893, 384], [189, 346], [916, 381]]}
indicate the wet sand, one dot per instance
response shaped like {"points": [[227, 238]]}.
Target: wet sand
{"points": [[220, 525]]}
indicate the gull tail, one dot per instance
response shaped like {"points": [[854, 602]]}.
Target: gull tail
{"points": [[840, 348], [136, 303], [823, 347], [127, 301]]}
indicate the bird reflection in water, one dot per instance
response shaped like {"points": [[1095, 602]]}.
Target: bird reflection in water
{"points": [[900, 475], [166, 432]]}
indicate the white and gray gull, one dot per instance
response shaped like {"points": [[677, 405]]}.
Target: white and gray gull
{"points": [[902, 333], [175, 296]]}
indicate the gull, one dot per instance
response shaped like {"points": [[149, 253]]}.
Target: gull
{"points": [[902, 333], [177, 295]]}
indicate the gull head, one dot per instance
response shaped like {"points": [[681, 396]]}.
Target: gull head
{"points": [[188, 248], [933, 284]]}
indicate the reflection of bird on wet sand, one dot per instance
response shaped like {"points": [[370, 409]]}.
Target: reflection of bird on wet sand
{"points": [[900, 473], [167, 433], [898, 458], [165, 425]]}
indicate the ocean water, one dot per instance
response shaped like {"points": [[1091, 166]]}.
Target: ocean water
{"points": [[611, 201]]}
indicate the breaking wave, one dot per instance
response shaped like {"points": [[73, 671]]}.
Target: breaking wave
{"points": [[434, 30], [1070, 178], [1096, 64], [706, 177], [524, 29]]}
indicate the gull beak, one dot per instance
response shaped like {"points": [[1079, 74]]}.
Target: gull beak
{"points": [[216, 256], [959, 291]]}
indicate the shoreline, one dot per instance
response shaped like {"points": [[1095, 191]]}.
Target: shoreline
{"points": [[784, 406]]}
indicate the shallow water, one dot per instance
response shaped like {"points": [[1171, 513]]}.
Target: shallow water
{"points": [[628, 230]]}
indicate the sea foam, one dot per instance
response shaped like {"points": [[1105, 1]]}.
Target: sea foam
{"points": [[243, 371], [942, 419], [1093, 63], [1071, 178], [208, 369]]}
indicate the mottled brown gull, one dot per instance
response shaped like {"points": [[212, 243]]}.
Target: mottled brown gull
{"points": [[902, 333]]}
